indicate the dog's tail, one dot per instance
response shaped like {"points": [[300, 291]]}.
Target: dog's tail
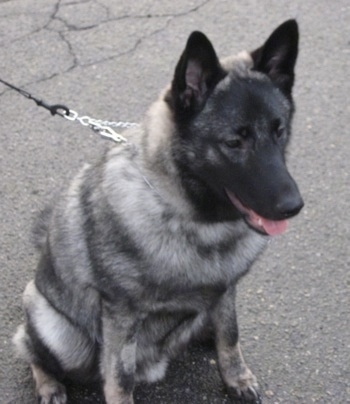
{"points": [[40, 227]]}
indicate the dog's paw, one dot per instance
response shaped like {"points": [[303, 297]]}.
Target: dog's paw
{"points": [[244, 389], [52, 393], [250, 395]]}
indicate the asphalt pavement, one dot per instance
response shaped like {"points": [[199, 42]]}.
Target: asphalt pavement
{"points": [[109, 60]]}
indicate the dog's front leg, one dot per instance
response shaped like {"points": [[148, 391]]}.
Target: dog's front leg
{"points": [[118, 354], [241, 382]]}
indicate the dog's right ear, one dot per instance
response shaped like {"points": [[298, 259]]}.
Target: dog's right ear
{"points": [[196, 74]]}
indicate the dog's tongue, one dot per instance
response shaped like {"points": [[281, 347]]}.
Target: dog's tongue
{"points": [[274, 228], [270, 227]]}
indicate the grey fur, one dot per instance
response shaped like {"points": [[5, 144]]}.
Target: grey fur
{"points": [[130, 273]]}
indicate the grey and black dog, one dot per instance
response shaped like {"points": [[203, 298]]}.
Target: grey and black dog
{"points": [[144, 250]]}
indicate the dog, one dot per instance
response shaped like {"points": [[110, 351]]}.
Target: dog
{"points": [[143, 252]]}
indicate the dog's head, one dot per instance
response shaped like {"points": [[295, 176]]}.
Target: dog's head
{"points": [[233, 123]]}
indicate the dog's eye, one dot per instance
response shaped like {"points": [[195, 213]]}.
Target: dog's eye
{"points": [[278, 128], [243, 131], [233, 143], [279, 131]]}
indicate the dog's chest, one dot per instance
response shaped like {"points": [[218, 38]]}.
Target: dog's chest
{"points": [[188, 254]]}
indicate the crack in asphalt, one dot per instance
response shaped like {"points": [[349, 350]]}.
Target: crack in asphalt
{"points": [[54, 16], [36, 30], [129, 51], [171, 15]]}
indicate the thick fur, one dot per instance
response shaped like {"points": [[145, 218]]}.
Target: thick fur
{"points": [[144, 250]]}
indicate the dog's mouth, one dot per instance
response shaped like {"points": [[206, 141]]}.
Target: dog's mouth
{"points": [[257, 222]]}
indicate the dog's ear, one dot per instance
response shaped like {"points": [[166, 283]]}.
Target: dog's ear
{"points": [[196, 74], [278, 55]]}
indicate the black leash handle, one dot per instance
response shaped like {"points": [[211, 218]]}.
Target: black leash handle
{"points": [[56, 109]]}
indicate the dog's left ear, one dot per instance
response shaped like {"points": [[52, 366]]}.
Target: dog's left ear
{"points": [[278, 55], [196, 74]]}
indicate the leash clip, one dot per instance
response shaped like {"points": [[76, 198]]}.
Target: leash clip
{"points": [[59, 109], [56, 109], [71, 115]]}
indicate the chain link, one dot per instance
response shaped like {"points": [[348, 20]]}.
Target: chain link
{"points": [[104, 128]]}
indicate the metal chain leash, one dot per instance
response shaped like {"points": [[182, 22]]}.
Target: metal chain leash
{"points": [[103, 128]]}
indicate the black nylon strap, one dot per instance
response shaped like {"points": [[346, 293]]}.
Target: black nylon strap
{"points": [[56, 109]]}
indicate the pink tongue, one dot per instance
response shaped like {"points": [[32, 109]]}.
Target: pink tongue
{"points": [[271, 227]]}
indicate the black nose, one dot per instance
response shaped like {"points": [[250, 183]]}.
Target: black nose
{"points": [[290, 206]]}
